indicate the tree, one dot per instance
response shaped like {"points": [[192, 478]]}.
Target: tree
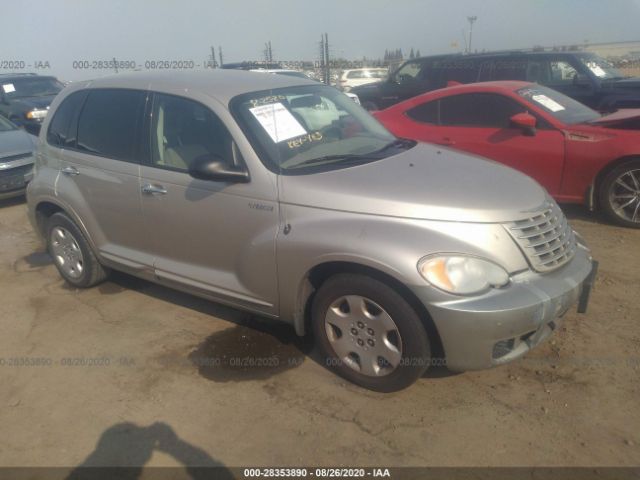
{"points": [[418, 53], [411, 54]]}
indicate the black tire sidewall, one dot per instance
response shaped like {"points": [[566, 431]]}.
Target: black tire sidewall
{"points": [[88, 258], [416, 353], [605, 189]]}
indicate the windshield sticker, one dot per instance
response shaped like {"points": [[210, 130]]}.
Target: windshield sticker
{"points": [[278, 122], [548, 103], [596, 69], [298, 142], [8, 88]]}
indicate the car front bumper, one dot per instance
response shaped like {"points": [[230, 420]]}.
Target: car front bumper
{"points": [[504, 324], [14, 176]]}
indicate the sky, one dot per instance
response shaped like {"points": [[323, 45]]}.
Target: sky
{"points": [[63, 31]]}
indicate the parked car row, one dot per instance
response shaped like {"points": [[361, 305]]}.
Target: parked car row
{"points": [[281, 196], [582, 76], [579, 155]]}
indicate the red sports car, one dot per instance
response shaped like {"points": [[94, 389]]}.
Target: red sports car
{"points": [[576, 153]]}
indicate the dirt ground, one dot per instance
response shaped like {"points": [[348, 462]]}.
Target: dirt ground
{"points": [[573, 401]]}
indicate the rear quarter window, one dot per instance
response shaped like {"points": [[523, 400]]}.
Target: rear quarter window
{"points": [[58, 133], [110, 122]]}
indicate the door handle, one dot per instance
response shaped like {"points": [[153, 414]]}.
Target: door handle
{"points": [[71, 171], [150, 189]]}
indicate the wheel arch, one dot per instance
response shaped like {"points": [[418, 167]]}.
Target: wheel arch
{"points": [[45, 208], [601, 175], [318, 274]]}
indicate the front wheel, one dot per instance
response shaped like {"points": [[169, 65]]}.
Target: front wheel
{"points": [[369, 334], [620, 194]]}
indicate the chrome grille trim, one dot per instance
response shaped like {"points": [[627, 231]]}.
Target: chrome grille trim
{"points": [[545, 237]]}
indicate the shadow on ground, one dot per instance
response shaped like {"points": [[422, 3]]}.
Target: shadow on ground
{"points": [[581, 212], [124, 449]]}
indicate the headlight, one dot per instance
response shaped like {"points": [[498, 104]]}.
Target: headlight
{"points": [[462, 275], [37, 114]]}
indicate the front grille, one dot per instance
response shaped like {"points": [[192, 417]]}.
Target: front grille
{"points": [[11, 158], [545, 237], [16, 171]]}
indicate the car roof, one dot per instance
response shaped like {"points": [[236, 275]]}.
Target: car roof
{"points": [[365, 68], [9, 76], [495, 86], [220, 84], [511, 85], [506, 53]]}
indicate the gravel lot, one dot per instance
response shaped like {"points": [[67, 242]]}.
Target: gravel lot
{"points": [[573, 401]]}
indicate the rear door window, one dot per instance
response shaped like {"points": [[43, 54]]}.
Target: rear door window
{"points": [[110, 123], [461, 70], [478, 110], [510, 68]]}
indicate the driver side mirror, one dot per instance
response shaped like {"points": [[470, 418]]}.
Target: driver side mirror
{"points": [[212, 167], [525, 122]]}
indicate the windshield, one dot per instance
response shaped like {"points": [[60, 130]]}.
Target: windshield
{"points": [[600, 67], [306, 128], [565, 109], [31, 87], [6, 125]]}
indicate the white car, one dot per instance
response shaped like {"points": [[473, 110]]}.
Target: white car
{"points": [[360, 76], [296, 73]]}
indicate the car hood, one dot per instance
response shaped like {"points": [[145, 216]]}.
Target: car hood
{"points": [[632, 83], [617, 118], [30, 103], [424, 182], [15, 142]]}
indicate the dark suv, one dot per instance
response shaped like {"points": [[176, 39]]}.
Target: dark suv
{"points": [[25, 98], [580, 75]]}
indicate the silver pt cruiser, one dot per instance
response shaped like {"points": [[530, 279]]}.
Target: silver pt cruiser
{"points": [[283, 197]]}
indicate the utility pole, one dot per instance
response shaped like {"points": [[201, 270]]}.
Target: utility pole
{"points": [[220, 55], [327, 72], [322, 59], [213, 57], [268, 53], [115, 64], [471, 22]]}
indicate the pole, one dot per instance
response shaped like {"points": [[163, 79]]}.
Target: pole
{"points": [[471, 22], [326, 56]]}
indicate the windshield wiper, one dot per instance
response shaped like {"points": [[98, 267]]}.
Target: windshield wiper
{"points": [[398, 142], [327, 158]]}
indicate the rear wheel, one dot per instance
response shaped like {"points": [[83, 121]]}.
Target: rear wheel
{"points": [[369, 334], [71, 253], [620, 194]]}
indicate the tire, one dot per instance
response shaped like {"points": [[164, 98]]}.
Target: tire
{"points": [[71, 253], [620, 194], [370, 106], [350, 343]]}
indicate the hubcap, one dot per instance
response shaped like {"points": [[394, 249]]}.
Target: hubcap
{"points": [[363, 335], [625, 196], [66, 252]]}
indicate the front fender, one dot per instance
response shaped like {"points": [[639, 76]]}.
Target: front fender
{"points": [[390, 245]]}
